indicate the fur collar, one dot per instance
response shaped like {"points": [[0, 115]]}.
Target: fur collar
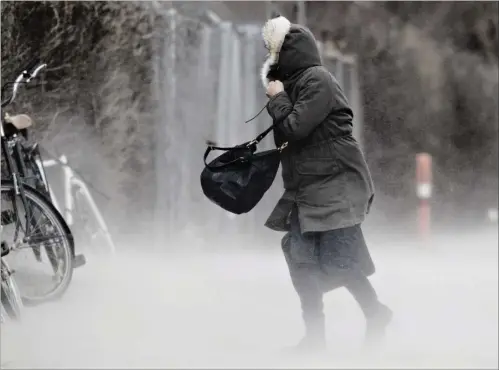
{"points": [[273, 33]]}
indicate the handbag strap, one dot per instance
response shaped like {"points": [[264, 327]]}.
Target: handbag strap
{"points": [[250, 144]]}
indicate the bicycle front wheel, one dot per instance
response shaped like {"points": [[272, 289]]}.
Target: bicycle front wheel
{"points": [[36, 224], [11, 299]]}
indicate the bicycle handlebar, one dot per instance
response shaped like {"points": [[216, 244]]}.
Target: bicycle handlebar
{"points": [[31, 65], [28, 74], [36, 70]]}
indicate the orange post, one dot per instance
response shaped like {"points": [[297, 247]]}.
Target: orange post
{"points": [[424, 190]]}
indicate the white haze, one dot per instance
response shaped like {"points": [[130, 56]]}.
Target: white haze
{"points": [[239, 310]]}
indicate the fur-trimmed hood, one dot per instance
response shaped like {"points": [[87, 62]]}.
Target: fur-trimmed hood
{"points": [[291, 48]]}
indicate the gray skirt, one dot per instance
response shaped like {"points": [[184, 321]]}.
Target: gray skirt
{"points": [[333, 256]]}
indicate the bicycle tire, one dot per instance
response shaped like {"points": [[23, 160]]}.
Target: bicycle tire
{"points": [[35, 180], [58, 222], [81, 230], [36, 177], [11, 298], [81, 206], [32, 166]]}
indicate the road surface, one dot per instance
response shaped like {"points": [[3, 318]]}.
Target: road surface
{"points": [[239, 309]]}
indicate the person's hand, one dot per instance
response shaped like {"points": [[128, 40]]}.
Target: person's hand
{"points": [[274, 88]]}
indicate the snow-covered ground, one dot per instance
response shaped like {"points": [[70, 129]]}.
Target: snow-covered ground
{"points": [[239, 309]]}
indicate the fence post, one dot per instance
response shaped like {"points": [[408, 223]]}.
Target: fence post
{"points": [[172, 87], [424, 190], [223, 84]]}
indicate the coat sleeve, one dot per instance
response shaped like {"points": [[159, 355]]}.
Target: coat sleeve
{"points": [[315, 101]]}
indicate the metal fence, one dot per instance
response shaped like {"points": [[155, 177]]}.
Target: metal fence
{"points": [[207, 86]]}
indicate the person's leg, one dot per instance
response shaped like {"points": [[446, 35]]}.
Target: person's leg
{"points": [[340, 262], [301, 256], [377, 315], [363, 292], [344, 258]]}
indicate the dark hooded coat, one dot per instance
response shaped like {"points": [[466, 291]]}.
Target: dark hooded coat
{"points": [[324, 171]]}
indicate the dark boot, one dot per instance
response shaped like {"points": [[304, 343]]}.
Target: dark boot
{"points": [[376, 325], [314, 340]]}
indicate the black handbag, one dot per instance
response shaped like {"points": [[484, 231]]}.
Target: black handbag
{"points": [[238, 179]]}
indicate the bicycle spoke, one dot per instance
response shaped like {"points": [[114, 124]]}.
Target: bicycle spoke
{"points": [[42, 257]]}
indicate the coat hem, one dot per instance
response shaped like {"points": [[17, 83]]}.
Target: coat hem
{"points": [[281, 226]]}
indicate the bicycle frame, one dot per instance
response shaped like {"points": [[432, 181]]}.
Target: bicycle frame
{"points": [[71, 182], [27, 74], [16, 179]]}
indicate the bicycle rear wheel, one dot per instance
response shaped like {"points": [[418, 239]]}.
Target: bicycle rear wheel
{"points": [[89, 232], [48, 232]]}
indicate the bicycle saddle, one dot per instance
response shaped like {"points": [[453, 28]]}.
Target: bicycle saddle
{"points": [[19, 121]]}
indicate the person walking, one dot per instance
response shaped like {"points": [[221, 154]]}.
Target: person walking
{"points": [[328, 186]]}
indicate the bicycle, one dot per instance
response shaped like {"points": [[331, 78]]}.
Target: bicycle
{"points": [[79, 206], [31, 167], [44, 227]]}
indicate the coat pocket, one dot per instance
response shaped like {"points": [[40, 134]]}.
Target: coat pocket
{"points": [[317, 166], [318, 160]]}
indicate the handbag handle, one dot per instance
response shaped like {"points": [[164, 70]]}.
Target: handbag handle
{"points": [[211, 147], [208, 150], [250, 144]]}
